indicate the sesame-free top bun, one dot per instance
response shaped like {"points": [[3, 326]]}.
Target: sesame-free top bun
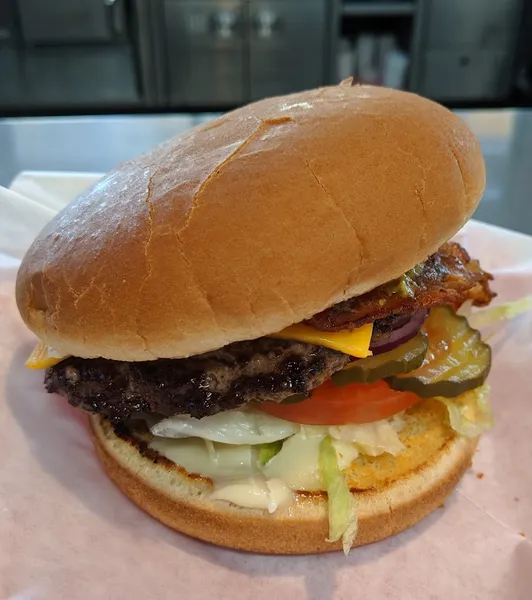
{"points": [[392, 493], [251, 222]]}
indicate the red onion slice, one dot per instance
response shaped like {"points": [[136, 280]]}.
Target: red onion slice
{"points": [[383, 342]]}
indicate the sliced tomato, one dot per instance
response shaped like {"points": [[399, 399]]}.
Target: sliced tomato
{"points": [[354, 403]]}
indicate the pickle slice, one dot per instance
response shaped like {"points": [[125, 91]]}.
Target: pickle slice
{"points": [[403, 359], [457, 359]]}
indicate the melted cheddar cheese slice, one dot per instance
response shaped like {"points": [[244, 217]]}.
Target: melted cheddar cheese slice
{"points": [[355, 343], [43, 357]]}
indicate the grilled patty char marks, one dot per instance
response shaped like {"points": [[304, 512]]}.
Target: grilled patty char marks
{"points": [[253, 371]]}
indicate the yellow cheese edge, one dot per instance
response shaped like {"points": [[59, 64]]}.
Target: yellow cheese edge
{"points": [[43, 357], [355, 343]]}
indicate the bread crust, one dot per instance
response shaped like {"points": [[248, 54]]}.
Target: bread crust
{"points": [[251, 222], [180, 501]]}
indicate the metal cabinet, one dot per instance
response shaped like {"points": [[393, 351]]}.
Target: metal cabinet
{"points": [[79, 76], [75, 54], [467, 49], [287, 46], [10, 80], [205, 51], [74, 21], [227, 52], [470, 75], [482, 24]]}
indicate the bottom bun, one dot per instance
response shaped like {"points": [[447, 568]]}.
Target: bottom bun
{"points": [[392, 493]]}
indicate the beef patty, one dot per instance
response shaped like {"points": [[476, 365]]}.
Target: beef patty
{"points": [[253, 371]]}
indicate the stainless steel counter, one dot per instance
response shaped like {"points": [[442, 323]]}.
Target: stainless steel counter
{"points": [[98, 143]]}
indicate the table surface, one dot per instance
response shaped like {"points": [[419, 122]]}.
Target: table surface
{"points": [[97, 143]]}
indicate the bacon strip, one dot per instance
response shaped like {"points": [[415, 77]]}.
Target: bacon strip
{"points": [[448, 277]]}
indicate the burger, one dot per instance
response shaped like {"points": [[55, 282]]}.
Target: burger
{"points": [[264, 319]]}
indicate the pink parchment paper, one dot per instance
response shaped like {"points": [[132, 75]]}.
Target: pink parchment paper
{"points": [[67, 532]]}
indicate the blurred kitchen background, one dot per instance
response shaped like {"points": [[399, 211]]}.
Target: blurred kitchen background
{"points": [[128, 56]]}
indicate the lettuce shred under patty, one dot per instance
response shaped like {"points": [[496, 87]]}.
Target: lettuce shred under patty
{"points": [[343, 521]]}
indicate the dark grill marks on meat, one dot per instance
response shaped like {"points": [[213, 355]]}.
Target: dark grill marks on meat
{"points": [[254, 371], [448, 277]]}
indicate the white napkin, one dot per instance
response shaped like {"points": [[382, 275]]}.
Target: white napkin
{"points": [[34, 198], [67, 532]]}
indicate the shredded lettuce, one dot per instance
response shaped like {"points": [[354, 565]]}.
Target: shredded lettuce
{"points": [[228, 427], [346, 452], [466, 309], [297, 464], [371, 438], [268, 451], [495, 314], [342, 511], [470, 413]]}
